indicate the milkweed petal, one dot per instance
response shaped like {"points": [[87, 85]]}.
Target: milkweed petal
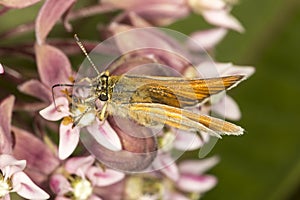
{"points": [[207, 39], [24, 186], [6, 108], [197, 166], [57, 111], [36, 89], [187, 141], [102, 178], [59, 184], [196, 183], [68, 140], [48, 15], [1, 69], [105, 135], [223, 19], [53, 65], [227, 108], [73, 165]]}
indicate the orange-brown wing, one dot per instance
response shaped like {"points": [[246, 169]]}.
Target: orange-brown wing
{"points": [[179, 92], [148, 114]]}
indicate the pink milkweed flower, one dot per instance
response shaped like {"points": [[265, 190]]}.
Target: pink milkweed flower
{"points": [[80, 179], [13, 179], [184, 181], [190, 179], [6, 138], [182, 140], [69, 134], [215, 12], [41, 159], [53, 67], [156, 12], [107, 142], [49, 14]]}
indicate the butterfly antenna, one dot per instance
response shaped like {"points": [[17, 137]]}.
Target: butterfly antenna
{"points": [[85, 53]]}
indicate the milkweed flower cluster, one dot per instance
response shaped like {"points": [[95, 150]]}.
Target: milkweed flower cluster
{"points": [[41, 159]]}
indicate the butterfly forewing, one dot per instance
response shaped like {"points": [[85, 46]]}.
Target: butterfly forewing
{"points": [[172, 91]]}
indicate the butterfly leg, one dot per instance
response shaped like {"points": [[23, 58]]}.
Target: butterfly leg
{"points": [[102, 114]]}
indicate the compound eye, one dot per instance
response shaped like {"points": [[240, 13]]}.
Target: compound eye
{"points": [[103, 97]]}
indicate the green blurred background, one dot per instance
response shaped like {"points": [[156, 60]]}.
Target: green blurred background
{"points": [[265, 162]]}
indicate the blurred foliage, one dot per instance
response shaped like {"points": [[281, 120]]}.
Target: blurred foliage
{"points": [[265, 162]]}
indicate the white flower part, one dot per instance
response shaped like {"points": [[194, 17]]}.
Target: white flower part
{"points": [[198, 166], [12, 178], [228, 108], [228, 69], [166, 164], [68, 140], [87, 119], [149, 197], [26, 188], [1, 72], [9, 165], [4, 187], [84, 115], [196, 183], [206, 39], [82, 189], [187, 141], [200, 5], [223, 18]]}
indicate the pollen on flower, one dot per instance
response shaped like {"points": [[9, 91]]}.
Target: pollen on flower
{"points": [[82, 188], [67, 120], [71, 79]]}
